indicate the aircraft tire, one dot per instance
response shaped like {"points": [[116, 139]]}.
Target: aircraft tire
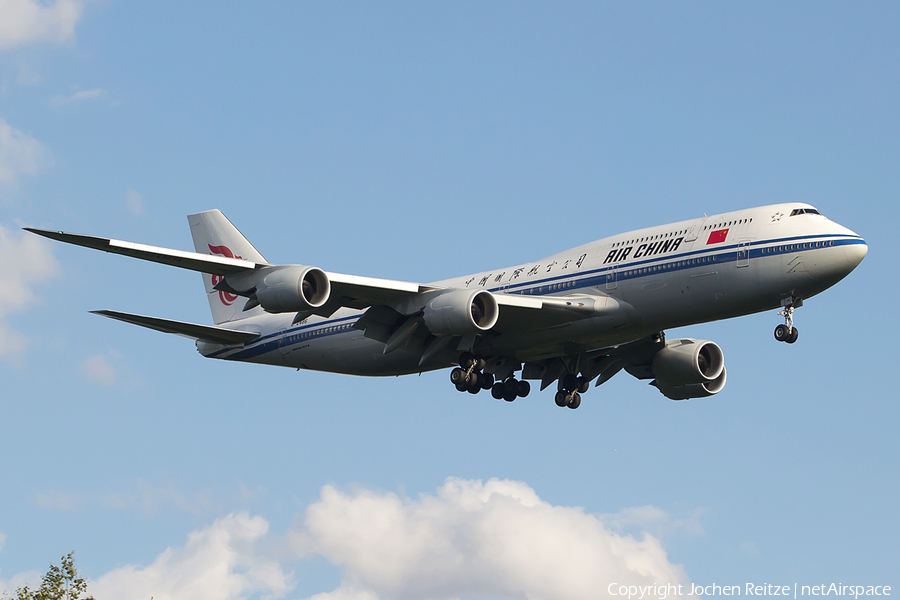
{"points": [[473, 388], [782, 333], [461, 387], [570, 382], [486, 380], [584, 384], [576, 401], [509, 396], [457, 376], [466, 359], [793, 337], [497, 390], [561, 399], [523, 388]]}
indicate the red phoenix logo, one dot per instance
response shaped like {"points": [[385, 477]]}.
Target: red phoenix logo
{"points": [[226, 298]]}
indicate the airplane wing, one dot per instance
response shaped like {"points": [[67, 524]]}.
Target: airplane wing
{"points": [[347, 290], [242, 276], [193, 261], [219, 335]]}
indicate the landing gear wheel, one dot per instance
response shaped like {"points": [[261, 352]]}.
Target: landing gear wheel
{"points": [[474, 388], [793, 337], [466, 359], [782, 333], [486, 380], [457, 376], [562, 399], [570, 382], [523, 388], [509, 396], [497, 391], [584, 384], [462, 387], [575, 402]]}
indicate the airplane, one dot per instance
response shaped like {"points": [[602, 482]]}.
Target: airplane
{"points": [[578, 316]]}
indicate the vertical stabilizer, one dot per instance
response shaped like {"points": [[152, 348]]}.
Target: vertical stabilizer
{"points": [[213, 233]]}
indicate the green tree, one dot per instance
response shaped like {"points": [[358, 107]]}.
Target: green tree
{"points": [[59, 583]]}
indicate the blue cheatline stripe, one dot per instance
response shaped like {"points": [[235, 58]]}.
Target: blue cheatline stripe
{"points": [[593, 278]]}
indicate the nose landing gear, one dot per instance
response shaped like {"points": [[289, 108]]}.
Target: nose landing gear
{"points": [[787, 332]]}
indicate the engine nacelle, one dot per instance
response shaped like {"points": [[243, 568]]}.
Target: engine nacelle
{"points": [[293, 289], [461, 312], [687, 362], [695, 390]]}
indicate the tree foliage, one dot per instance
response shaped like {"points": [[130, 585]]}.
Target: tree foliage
{"points": [[59, 583]]}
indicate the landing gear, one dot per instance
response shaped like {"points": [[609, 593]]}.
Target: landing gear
{"points": [[570, 399], [510, 389], [571, 386], [787, 332]]}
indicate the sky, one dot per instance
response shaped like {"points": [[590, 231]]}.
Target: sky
{"points": [[419, 141]]}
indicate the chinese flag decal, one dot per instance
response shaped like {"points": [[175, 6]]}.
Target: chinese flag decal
{"points": [[717, 237]]}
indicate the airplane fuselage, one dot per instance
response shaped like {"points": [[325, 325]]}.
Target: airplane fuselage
{"points": [[674, 275]]}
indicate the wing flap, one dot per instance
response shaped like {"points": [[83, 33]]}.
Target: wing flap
{"points": [[193, 261], [218, 335]]}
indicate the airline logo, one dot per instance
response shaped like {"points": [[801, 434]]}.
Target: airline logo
{"points": [[717, 237], [226, 298]]}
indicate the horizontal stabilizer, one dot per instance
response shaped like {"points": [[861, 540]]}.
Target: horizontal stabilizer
{"points": [[218, 335], [193, 261]]}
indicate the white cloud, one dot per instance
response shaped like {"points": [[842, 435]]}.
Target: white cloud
{"points": [[470, 539], [27, 21], [474, 539], [20, 154], [135, 202], [221, 562], [77, 96], [96, 369], [26, 261]]}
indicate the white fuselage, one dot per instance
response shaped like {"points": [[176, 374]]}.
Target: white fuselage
{"points": [[684, 273]]}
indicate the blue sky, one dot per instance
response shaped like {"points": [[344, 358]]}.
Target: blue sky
{"points": [[419, 141]]}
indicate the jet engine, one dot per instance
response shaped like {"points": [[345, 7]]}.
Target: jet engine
{"points": [[293, 289], [694, 390], [461, 312], [687, 368]]}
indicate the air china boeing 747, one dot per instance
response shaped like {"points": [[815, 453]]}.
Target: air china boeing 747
{"points": [[578, 316]]}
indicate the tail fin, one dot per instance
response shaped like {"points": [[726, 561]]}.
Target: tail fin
{"points": [[213, 233]]}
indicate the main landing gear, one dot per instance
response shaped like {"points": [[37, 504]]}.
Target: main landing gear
{"points": [[470, 377], [787, 332], [570, 389]]}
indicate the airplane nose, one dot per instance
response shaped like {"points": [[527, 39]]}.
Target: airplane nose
{"points": [[855, 253]]}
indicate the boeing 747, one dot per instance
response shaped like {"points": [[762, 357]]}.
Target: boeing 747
{"points": [[572, 318]]}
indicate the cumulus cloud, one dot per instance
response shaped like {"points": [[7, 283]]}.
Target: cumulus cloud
{"points": [[221, 562], [26, 261], [20, 154], [28, 21], [97, 369], [471, 539], [494, 539], [134, 202]]}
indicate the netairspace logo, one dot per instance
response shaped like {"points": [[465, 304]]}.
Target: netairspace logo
{"points": [[663, 591]]}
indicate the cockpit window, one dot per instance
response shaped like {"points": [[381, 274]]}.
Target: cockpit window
{"points": [[805, 211]]}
